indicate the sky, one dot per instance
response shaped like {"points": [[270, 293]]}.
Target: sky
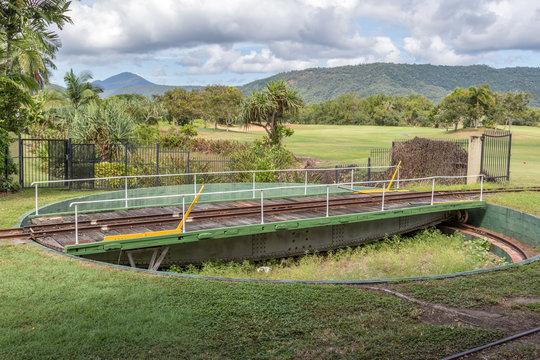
{"points": [[233, 42]]}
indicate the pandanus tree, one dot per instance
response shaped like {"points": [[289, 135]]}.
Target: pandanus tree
{"points": [[267, 108], [27, 43]]}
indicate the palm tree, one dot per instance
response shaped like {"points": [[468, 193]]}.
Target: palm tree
{"points": [[266, 108], [78, 89], [480, 99], [27, 45]]}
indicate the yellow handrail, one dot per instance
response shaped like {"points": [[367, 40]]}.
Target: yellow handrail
{"points": [[178, 230]]}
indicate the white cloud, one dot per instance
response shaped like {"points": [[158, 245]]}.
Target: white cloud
{"points": [[266, 36]]}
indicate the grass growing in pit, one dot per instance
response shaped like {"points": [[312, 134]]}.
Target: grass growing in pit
{"points": [[428, 252]]}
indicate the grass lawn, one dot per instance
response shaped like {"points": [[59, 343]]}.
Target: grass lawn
{"points": [[351, 144], [57, 307]]}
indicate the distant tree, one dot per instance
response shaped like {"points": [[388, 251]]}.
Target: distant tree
{"points": [[266, 108], [79, 91], [222, 104], [480, 100], [452, 109], [183, 106], [27, 43], [514, 105]]}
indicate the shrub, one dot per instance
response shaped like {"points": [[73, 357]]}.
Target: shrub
{"points": [[144, 134], [108, 169], [261, 157]]}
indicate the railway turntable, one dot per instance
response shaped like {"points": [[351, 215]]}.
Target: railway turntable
{"points": [[255, 229]]}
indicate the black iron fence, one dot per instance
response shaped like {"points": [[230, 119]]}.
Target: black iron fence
{"points": [[496, 149], [52, 159]]}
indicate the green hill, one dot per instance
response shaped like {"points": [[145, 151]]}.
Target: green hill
{"points": [[433, 82]]}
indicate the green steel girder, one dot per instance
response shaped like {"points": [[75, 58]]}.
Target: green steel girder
{"points": [[220, 233]]}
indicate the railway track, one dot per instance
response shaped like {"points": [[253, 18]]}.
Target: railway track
{"points": [[43, 230], [511, 246]]}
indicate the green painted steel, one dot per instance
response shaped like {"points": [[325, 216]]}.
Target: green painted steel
{"points": [[306, 281], [519, 225], [401, 216]]}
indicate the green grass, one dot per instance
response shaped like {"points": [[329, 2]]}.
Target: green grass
{"points": [[16, 204], [429, 252], [526, 201], [351, 144], [54, 307], [479, 290]]}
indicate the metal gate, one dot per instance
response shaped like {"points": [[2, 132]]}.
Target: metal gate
{"points": [[496, 148], [43, 160]]}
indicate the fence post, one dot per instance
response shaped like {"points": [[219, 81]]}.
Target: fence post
{"points": [[70, 163], [21, 162], [157, 164], [509, 150], [187, 168], [337, 177], [352, 179], [368, 171], [6, 164]]}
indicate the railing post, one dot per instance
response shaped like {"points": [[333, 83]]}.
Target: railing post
{"points": [[337, 175], [183, 214], [76, 226], [126, 190], [432, 191], [482, 187], [368, 171], [398, 177], [157, 164], [254, 184], [187, 168], [352, 179], [327, 198], [70, 163], [194, 183], [305, 184], [262, 207], [125, 159], [36, 191], [383, 192]]}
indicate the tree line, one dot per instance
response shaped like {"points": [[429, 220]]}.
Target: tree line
{"points": [[470, 107]]}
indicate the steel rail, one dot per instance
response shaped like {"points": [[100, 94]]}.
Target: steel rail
{"points": [[140, 220]]}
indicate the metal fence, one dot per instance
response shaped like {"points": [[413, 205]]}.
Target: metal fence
{"points": [[496, 149], [45, 160]]}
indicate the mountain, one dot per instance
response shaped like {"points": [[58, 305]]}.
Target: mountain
{"points": [[431, 81], [121, 80], [129, 83]]}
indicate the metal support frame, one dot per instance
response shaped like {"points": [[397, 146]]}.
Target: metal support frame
{"points": [[154, 262]]}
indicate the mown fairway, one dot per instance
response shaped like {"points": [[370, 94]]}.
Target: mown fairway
{"points": [[351, 144]]}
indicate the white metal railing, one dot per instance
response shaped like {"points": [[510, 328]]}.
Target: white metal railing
{"points": [[76, 204], [194, 175]]}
